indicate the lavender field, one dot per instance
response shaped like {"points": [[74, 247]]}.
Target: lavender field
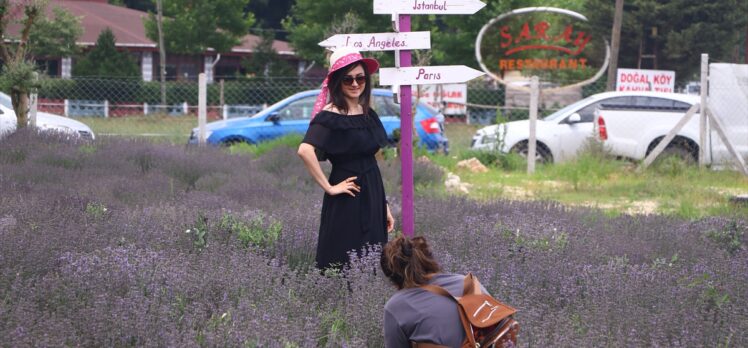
{"points": [[130, 244]]}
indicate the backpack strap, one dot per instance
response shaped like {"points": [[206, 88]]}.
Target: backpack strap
{"points": [[438, 290], [471, 285]]}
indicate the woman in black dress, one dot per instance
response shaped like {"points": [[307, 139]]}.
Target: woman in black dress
{"points": [[348, 133]]}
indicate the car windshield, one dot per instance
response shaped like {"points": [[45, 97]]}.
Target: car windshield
{"points": [[5, 101], [566, 109]]}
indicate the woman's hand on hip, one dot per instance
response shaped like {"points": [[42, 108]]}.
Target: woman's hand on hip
{"points": [[390, 220], [347, 186]]}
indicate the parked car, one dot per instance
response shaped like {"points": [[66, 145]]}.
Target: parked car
{"points": [[633, 128], [292, 115], [44, 121], [561, 134]]}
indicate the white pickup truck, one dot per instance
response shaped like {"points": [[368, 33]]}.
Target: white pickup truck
{"points": [[634, 123], [632, 127]]}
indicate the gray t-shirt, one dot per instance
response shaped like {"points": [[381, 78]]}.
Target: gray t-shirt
{"points": [[419, 315]]}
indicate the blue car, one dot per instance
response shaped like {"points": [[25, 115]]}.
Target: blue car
{"points": [[292, 115]]}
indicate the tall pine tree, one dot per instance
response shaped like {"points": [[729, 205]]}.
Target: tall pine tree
{"points": [[105, 60]]}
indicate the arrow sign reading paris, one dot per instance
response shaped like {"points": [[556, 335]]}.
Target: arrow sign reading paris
{"points": [[427, 6], [414, 40], [426, 75]]}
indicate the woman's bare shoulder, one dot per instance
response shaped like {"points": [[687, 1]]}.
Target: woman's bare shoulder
{"points": [[330, 107]]}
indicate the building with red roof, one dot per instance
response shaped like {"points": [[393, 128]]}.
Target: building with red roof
{"points": [[129, 31]]}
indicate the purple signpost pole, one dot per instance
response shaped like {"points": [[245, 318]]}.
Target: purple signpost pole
{"points": [[406, 139]]}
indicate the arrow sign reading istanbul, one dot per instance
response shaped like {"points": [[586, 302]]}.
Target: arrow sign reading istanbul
{"points": [[442, 7], [425, 75], [413, 40]]}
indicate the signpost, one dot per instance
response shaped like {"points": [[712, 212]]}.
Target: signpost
{"points": [[381, 41], [403, 75], [427, 6], [645, 80], [427, 75]]}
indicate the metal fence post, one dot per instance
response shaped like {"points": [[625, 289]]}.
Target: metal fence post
{"points": [[531, 146], [702, 111], [34, 102], [222, 101], [106, 109], [202, 101]]}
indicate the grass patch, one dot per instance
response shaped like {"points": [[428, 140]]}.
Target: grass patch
{"points": [[256, 150], [156, 128], [596, 180]]}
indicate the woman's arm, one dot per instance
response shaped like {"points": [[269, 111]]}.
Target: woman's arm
{"points": [[306, 152], [390, 219]]}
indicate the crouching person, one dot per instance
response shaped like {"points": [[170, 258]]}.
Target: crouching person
{"points": [[436, 309], [413, 314]]}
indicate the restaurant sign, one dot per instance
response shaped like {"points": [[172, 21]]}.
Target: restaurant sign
{"points": [[554, 44]]}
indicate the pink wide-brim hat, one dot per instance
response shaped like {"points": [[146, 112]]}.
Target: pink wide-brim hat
{"points": [[339, 59]]}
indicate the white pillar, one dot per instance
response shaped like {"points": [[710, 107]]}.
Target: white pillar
{"points": [[208, 69], [146, 66], [702, 111], [202, 112], [532, 143], [67, 65]]}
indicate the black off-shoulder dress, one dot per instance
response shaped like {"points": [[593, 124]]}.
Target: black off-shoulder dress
{"points": [[348, 223]]}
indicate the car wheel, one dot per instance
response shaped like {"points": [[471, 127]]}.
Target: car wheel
{"points": [[682, 148], [679, 153], [542, 154]]}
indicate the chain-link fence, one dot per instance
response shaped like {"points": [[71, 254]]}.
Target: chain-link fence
{"points": [[170, 110], [116, 97], [490, 102], [728, 106]]}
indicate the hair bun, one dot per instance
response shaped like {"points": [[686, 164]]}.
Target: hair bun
{"points": [[406, 247]]}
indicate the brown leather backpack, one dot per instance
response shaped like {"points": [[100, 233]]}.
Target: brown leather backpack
{"points": [[487, 321]]}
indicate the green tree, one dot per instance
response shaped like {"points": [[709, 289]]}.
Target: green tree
{"points": [[270, 13], [55, 37], [105, 60], [265, 61], [676, 32], [193, 26], [312, 21], [38, 35]]}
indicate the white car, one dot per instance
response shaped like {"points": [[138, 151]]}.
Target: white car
{"points": [[561, 134], [44, 121]]}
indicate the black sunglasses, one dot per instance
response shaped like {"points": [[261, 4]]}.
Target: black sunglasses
{"points": [[348, 80]]}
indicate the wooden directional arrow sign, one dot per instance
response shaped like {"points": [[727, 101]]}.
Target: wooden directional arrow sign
{"points": [[413, 40], [425, 75], [443, 7]]}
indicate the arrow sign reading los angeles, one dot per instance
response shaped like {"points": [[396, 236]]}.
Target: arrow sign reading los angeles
{"points": [[427, 6], [413, 40], [424, 75]]}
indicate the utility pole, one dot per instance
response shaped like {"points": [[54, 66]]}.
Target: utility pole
{"points": [[161, 49], [616, 44]]}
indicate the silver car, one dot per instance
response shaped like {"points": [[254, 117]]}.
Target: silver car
{"points": [[44, 121]]}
